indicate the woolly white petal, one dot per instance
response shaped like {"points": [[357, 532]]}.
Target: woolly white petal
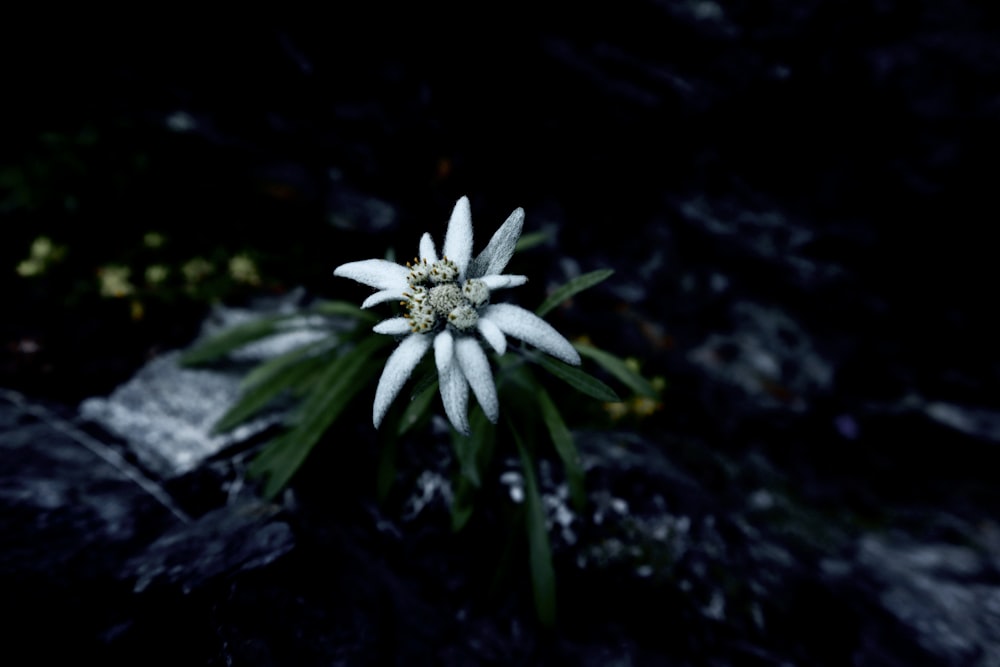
{"points": [[494, 257], [444, 349], [427, 250], [476, 368], [500, 282], [455, 397], [377, 273], [397, 370], [492, 334], [382, 297], [458, 238], [396, 326], [451, 382], [520, 323]]}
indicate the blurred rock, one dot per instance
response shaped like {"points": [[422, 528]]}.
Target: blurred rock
{"points": [[225, 541], [944, 596], [95, 556], [63, 486], [167, 411], [71, 509], [768, 356]]}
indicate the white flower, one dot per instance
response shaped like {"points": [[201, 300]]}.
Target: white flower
{"points": [[448, 307]]}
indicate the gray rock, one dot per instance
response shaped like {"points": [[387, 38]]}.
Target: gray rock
{"points": [[167, 411], [66, 495], [945, 595], [228, 540]]}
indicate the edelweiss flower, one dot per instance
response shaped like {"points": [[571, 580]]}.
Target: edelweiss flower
{"points": [[448, 306]]}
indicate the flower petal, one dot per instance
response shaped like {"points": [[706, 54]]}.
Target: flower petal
{"points": [[378, 273], [520, 323], [396, 326], [455, 397], [500, 282], [452, 383], [397, 370], [476, 368], [494, 257], [444, 350], [492, 334], [382, 297], [427, 250], [458, 238]]}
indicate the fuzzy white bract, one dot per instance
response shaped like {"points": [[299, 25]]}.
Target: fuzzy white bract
{"points": [[447, 300]]}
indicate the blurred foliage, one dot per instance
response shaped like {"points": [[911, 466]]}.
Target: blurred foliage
{"points": [[119, 233]]}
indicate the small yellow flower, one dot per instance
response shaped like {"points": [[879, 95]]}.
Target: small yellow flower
{"points": [[156, 274], [30, 267], [153, 239], [244, 270], [114, 281], [197, 269], [43, 253]]}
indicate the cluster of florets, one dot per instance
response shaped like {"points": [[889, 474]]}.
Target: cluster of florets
{"points": [[435, 298]]}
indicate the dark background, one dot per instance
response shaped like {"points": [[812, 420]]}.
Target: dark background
{"points": [[868, 124]]}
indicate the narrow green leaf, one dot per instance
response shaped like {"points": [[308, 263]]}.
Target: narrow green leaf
{"points": [[574, 377], [264, 371], [485, 442], [618, 368], [279, 461], [232, 339], [474, 453], [426, 374], [543, 576], [418, 408], [338, 384], [464, 448], [532, 239], [468, 448], [574, 286], [337, 381], [342, 309], [255, 397], [565, 447], [461, 504]]}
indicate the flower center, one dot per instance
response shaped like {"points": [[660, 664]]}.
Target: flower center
{"points": [[435, 298]]}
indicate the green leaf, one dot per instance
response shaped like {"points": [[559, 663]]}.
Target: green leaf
{"points": [[574, 286], [264, 371], [294, 372], [543, 576], [574, 377], [462, 503], [418, 408], [232, 339], [532, 239], [565, 447], [339, 382], [485, 441], [618, 368], [342, 309], [468, 449], [474, 453], [426, 374]]}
